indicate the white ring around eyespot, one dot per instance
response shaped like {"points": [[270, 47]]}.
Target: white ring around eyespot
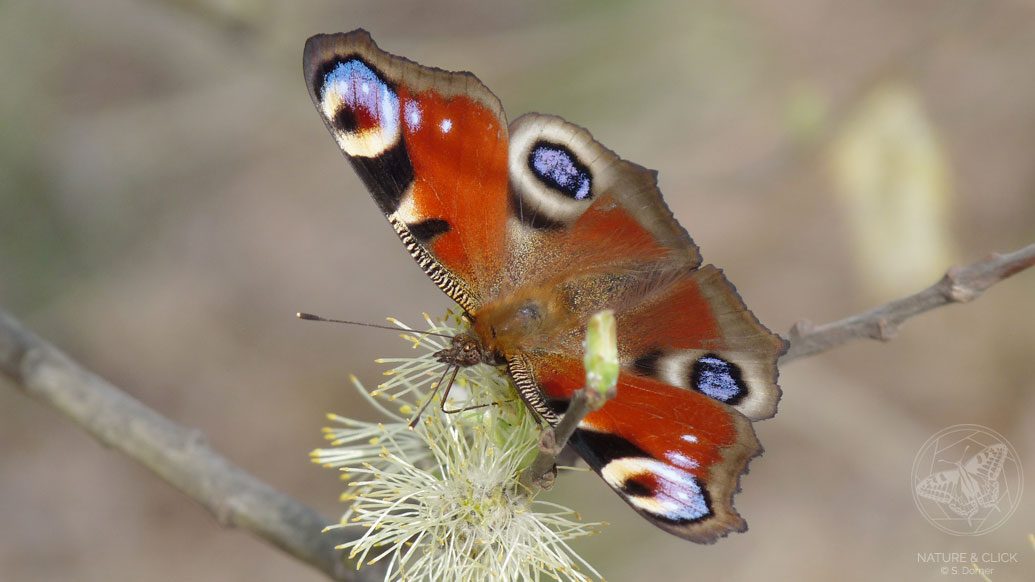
{"points": [[533, 194], [353, 84], [679, 495], [674, 368]]}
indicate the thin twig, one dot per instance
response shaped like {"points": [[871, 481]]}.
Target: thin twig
{"points": [[173, 452], [958, 285]]}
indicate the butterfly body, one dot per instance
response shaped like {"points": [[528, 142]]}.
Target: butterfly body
{"points": [[531, 228]]}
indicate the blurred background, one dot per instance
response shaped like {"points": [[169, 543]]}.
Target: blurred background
{"points": [[169, 199]]}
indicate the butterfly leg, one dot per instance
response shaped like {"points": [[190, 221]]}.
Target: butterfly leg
{"points": [[445, 397], [476, 406], [434, 390]]}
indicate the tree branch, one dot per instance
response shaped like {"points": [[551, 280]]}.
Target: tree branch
{"points": [[236, 498], [173, 452], [958, 285]]}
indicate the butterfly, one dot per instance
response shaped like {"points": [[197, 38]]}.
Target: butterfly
{"points": [[970, 486], [531, 228]]}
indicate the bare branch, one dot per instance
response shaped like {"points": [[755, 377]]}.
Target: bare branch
{"points": [[175, 453], [180, 456], [958, 285]]}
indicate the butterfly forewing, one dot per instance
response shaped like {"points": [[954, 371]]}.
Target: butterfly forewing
{"points": [[534, 229], [431, 146]]}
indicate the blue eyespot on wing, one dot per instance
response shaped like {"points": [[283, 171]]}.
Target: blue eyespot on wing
{"points": [[559, 169]]}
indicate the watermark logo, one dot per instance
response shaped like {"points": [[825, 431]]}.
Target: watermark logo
{"points": [[967, 480]]}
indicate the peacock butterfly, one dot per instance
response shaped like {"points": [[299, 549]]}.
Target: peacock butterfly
{"points": [[533, 227]]}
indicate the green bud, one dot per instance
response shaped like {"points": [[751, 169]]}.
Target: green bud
{"points": [[601, 359]]}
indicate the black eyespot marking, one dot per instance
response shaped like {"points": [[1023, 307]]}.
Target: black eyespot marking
{"points": [[647, 364], [426, 230], [718, 379], [634, 488], [559, 168], [366, 123], [365, 102], [345, 120], [683, 498], [600, 448]]}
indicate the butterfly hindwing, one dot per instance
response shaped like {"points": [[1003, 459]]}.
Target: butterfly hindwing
{"points": [[430, 145], [532, 229], [696, 333], [697, 364], [594, 227], [674, 455], [687, 329]]}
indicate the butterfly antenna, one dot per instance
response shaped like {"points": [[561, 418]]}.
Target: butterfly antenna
{"points": [[434, 390], [311, 317]]}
